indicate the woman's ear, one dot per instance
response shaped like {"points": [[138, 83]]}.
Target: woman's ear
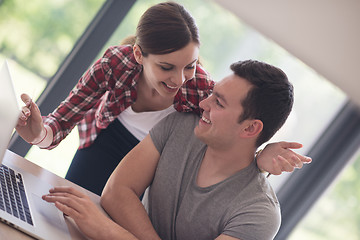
{"points": [[138, 54], [253, 129]]}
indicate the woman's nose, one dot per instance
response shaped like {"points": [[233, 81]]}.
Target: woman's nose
{"points": [[180, 78]]}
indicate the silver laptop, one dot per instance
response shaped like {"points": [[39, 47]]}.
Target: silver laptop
{"points": [[21, 205]]}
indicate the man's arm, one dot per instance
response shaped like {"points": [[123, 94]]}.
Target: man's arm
{"points": [[120, 197], [91, 221]]}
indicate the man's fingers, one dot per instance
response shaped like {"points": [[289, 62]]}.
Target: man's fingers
{"points": [[68, 211], [66, 199], [68, 190]]}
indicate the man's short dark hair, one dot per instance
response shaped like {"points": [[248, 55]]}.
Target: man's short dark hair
{"points": [[270, 99]]}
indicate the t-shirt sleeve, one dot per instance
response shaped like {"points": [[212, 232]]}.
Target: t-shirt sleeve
{"points": [[161, 132], [256, 222]]}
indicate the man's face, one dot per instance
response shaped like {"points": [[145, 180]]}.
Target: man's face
{"points": [[219, 125]]}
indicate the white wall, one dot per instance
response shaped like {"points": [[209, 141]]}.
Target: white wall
{"points": [[324, 34]]}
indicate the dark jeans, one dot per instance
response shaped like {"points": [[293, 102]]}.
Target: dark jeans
{"points": [[92, 166]]}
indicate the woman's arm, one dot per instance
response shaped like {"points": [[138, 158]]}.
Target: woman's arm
{"points": [[84, 97]]}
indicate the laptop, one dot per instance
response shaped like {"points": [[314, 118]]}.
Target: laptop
{"points": [[21, 205]]}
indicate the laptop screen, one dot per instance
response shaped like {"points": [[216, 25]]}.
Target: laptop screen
{"points": [[9, 108]]}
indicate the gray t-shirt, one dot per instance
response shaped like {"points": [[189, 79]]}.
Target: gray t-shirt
{"points": [[242, 206]]}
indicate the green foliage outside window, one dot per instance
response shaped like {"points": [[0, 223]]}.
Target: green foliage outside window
{"points": [[39, 34]]}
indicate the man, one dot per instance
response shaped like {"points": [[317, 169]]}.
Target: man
{"points": [[204, 183]]}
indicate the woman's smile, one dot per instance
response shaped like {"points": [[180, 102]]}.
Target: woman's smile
{"points": [[170, 88]]}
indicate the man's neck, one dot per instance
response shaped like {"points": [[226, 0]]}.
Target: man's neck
{"points": [[217, 165]]}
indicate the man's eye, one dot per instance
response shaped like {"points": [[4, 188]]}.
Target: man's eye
{"points": [[219, 104]]}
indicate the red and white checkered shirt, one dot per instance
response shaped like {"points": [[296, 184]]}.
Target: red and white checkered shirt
{"points": [[107, 88]]}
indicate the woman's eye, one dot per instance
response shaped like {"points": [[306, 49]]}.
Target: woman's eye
{"points": [[166, 68], [190, 67]]}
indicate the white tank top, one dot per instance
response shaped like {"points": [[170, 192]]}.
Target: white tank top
{"points": [[139, 124]]}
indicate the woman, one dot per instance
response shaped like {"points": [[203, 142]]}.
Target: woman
{"points": [[126, 92]]}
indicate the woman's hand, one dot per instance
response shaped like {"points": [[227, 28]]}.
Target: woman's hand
{"points": [[278, 157], [88, 217], [30, 125]]}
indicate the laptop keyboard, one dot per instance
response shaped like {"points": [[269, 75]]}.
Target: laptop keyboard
{"points": [[13, 197]]}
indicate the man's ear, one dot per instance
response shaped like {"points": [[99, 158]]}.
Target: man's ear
{"points": [[253, 128], [138, 54]]}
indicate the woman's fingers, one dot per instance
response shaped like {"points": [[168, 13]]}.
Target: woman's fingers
{"points": [[286, 166], [296, 159], [30, 107], [26, 99], [276, 167], [293, 145]]}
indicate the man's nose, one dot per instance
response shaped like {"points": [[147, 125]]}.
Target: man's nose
{"points": [[204, 104]]}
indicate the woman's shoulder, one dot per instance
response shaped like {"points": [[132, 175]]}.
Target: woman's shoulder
{"points": [[120, 49], [202, 73], [202, 80], [120, 55]]}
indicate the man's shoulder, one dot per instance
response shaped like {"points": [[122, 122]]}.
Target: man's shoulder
{"points": [[183, 118], [260, 204], [254, 213], [176, 123], [260, 192]]}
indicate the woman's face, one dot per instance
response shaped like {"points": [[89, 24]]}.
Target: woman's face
{"points": [[167, 72]]}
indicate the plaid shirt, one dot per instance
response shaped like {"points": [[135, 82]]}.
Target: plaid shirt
{"points": [[107, 88]]}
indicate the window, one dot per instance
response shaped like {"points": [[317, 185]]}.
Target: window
{"points": [[36, 36], [336, 214]]}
